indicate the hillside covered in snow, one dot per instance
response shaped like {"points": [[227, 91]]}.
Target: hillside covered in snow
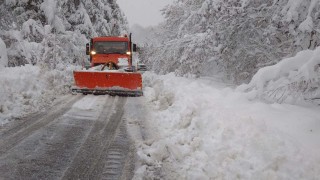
{"points": [[235, 38]]}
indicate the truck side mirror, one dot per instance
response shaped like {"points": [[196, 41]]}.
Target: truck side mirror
{"points": [[134, 47], [87, 49]]}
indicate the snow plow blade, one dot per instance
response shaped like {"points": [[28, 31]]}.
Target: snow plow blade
{"points": [[112, 83]]}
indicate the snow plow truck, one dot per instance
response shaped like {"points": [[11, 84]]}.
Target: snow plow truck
{"points": [[111, 68]]}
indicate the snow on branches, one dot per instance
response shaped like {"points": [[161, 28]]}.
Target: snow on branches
{"points": [[291, 80], [55, 32], [241, 36]]}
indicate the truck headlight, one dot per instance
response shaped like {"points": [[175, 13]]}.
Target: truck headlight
{"points": [[93, 53]]}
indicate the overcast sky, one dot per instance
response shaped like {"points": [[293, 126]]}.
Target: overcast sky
{"points": [[143, 12]]}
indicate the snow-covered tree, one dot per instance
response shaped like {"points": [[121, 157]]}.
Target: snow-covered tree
{"points": [[292, 80], [52, 31], [234, 37]]}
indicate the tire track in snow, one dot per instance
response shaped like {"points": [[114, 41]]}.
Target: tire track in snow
{"points": [[118, 162], [23, 122], [48, 151], [89, 161], [18, 133], [85, 140]]}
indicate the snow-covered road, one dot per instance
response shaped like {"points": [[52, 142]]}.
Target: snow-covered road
{"points": [[80, 137], [182, 128]]}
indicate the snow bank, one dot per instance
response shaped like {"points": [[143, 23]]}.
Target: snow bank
{"points": [[291, 80], [29, 88], [206, 131], [3, 54]]}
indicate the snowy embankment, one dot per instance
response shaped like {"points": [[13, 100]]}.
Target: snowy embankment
{"points": [[206, 131], [292, 80], [28, 89]]}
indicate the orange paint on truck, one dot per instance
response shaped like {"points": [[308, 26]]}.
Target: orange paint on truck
{"points": [[100, 80]]}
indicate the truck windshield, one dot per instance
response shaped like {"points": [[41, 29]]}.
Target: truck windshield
{"points": [[111, 47]]}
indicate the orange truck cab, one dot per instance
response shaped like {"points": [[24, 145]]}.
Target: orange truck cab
{"points": [[111, 49]]}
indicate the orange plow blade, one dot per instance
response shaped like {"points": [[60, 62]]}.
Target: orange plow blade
{"points": [[113, 83]]}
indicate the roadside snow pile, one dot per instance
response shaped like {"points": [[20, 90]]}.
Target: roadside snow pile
{"points": [[206, 131], [292, 80], [28, 88]]}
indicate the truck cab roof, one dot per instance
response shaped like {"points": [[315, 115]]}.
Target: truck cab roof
{"points": [[110, 38]]}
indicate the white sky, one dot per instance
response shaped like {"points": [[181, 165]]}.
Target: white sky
{"points": [[143, 12]]}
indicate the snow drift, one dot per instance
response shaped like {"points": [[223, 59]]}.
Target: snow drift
{"points": [[203, 130], [292, 80], [30, 88]]}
